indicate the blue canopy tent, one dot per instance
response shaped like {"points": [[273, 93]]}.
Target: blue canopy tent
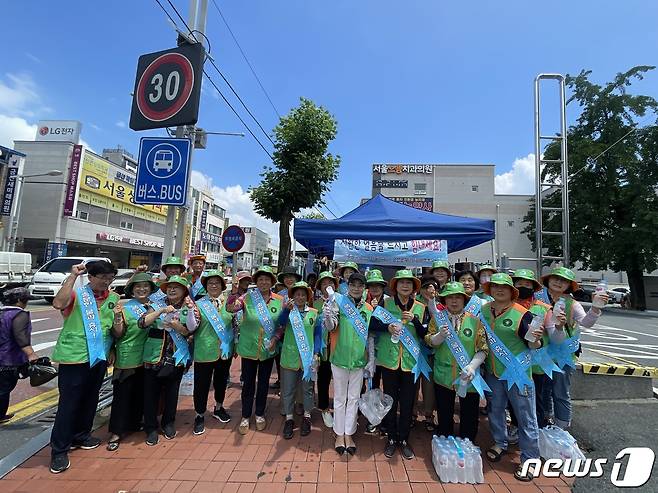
{"points": [[382, 219]]}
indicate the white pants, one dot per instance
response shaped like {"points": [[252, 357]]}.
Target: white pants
{"points": [[347, 390]]}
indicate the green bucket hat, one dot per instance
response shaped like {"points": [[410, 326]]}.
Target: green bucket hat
{"points": [[302, 285], [213, 273], [441, 264], [527, 274], [267, 270], [174, 280], [173, 261], [503, 279], [375, 277], [352, 265], [453, 288], [404, 274], [564, 273], [139, 277], [486, 267], [326, 275]]}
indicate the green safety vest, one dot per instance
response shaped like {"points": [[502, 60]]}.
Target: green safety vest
{"points": [[130, 348], [206, 341], [483, 296], [250, 343], [71, 347], [156, 338], [290, 358], [389, 354], [446, 369], [348, 351], [540, 308], [324, 355], [506, 327]]}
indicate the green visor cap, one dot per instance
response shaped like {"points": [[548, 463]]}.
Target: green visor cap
{"points": [[173, 261], [351, 265], [175, 280], [139, 277], [375, 277], [528, 275], [454, 288], [213, 273]]}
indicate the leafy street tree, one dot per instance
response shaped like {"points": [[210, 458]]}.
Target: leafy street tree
{"points": [[302, 172], [613, 184]]}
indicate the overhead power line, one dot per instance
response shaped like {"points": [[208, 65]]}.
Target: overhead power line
{"points": [[244, 55]]}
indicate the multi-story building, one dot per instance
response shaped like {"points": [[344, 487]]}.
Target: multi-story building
{"points": [[463, 190], [205, 224]]}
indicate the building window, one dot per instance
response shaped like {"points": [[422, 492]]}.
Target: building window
{"points": [[510, 224], [126, 225], [84, 215], [114, 219], [420, 188], [205, 206], [97, 215], [474, 188]]}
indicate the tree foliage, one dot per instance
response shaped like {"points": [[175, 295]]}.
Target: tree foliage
{"points": [[613, 184], [302, 171]]}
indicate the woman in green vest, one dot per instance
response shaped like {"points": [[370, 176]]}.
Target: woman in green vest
{"points": [[446, 370], [561, 282], [484, 274], [213, 351], [397, 362], [440, 270], [325, 280], [349, 356], [166, 355], [299, 367], [256, 346], [82, 352], [510, 322], [128, 376], [470, 281], [345, 272]]}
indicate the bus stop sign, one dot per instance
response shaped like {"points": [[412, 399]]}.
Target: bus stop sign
{"points": [[167, 88], [162, 171]]}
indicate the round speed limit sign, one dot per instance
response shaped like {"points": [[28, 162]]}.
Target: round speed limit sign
{"points": [[167, 88]]}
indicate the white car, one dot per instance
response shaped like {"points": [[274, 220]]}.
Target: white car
{"points": [[47, 281], [615, 295]]}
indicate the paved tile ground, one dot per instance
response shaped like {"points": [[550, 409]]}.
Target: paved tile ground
{"points": [[222, 460]]}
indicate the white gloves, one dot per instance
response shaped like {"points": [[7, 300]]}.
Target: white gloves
{"points": [[468, 373]]}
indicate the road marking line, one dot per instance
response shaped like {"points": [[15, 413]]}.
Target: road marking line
{"points": [[626, 330], [45, 331], [34, 404], [44, 345], [35, 320]]}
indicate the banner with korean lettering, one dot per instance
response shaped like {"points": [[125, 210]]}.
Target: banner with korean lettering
{"points": [[10, 189], [412, 253]]}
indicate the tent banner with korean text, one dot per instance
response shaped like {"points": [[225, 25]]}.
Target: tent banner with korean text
{"points": [[412, 253]]}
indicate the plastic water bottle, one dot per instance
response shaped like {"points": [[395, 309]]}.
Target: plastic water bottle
{"points": [[534, 325], [601, 288], [463, 387], [395, 338], [331, 293], [558, 309]]}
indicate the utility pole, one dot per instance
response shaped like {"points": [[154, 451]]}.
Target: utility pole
{"points": [[173, 230]]}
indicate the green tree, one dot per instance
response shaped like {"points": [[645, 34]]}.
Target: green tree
{"points": [[313, 215], [613, 163], [302, 172]]}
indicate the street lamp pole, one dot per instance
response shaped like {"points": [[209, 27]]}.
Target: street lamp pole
{"points": [[14, 218]]}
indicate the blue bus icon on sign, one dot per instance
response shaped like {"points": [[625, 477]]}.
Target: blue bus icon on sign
{"points": [[163, 160]]}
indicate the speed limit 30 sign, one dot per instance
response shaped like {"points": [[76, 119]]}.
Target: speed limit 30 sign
{"points": [[167, 88]]}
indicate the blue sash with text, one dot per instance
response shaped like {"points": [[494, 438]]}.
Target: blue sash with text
{"points": [[223, 333], [92, 323]]}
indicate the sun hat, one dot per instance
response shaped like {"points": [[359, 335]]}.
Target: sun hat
{"points": [[486, 267], [404, 274], [351, 265], [502, 279], [375, 277], [289, 271], [564, 273], [138, 277], [267, 270], [453, 288], [302, 285], [213, 273], [174, 280], [528, 275], [192, 258], [326, 275], [173, 261]]}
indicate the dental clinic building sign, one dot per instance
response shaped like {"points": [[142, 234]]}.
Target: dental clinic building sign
{"points": [[412, 253]]}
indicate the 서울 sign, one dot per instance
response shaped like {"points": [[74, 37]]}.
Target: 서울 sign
{"points": [[427, 169], [130, 241], [390, 183], [412, 253]]}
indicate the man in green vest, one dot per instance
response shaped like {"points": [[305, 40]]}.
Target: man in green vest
{"points": [[510, 322], [90, 313]]}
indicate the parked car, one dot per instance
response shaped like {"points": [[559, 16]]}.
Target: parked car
{"points": [[615, 295], [47, 281], [15, 269], [121, 279], [585, 293]]}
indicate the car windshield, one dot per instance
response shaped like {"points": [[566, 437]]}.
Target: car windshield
{"points": [[61, 265]]}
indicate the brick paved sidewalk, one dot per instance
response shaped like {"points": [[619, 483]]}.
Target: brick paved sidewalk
{"points": [[222, 460]]}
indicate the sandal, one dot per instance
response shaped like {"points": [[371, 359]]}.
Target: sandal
{"points": [[113, 445], [524, 478], [495, 453]]}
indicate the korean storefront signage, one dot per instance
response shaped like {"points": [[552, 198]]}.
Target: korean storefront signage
{"points": [[390, 183], [426, 169], [130, 241], [73, 182], [211, 238], [413, 253]]}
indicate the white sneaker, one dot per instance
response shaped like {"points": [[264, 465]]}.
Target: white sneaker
{"points": [[260, 423], [328, 419], [244, 426]]}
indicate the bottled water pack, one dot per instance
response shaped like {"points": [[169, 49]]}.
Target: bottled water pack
{"points": [[457, 460], [556, 443]]}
